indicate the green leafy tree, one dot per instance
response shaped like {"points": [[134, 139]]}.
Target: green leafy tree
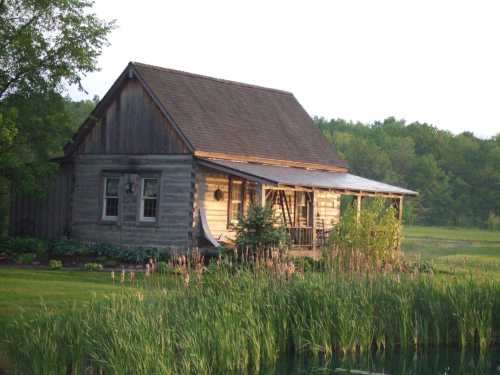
{"points": [[44, 47], [458, 176]]}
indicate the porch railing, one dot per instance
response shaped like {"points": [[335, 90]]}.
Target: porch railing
{"points": [[300, 236]]}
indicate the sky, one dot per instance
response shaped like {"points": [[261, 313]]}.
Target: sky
{"points": [[428, 61]]}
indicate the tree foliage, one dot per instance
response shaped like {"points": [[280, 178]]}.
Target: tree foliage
{"points": [[457, 176], [259, 231], [44, 46]]}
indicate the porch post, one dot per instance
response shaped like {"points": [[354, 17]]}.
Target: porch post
{"points": [[400, 208], [358, 207], [314, 220], [261, 195]]}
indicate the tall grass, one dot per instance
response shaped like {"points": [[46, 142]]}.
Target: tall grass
{"points": [[236, 320]]}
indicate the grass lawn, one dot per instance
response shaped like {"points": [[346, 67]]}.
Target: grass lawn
{"points": [[27, 289], [459, 251]]}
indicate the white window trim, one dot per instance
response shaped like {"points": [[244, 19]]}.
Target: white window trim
{"points": [[141, 212], [105, 200]]}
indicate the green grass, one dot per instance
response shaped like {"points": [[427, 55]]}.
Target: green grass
{"points": [[459, 234], [236, 322], [26, 289], [456, 251], [240, 321]]}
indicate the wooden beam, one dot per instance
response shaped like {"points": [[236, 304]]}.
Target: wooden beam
{"points": [[366, 193], [261, 195], [313, 198], [287, 208], [282, 204], [400, 209], [358, 207], [268, 161]]}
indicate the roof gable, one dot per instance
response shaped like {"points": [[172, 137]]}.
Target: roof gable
{"points": [[225, 117]]}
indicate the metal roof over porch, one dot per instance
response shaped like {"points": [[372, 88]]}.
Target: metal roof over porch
{"points": [[276, 175]]}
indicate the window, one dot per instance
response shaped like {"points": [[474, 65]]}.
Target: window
{"points": [[149, 199], [235, 201], [111, 199], [302, 208]]}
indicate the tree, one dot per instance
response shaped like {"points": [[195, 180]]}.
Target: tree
{"points": [[458, 176], [45, 45]]}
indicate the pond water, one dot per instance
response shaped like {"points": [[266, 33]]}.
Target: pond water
{"points": [[437, 362]]}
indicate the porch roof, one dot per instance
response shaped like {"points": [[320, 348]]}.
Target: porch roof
{"points": [[277, 175]]}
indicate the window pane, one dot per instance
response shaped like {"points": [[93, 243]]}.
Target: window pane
{"points": [[149, 208], [111, 207], [150, 188], [236, 191], [112, 187], [235, 211]]}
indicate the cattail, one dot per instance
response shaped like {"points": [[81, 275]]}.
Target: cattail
{"points": [[199, 273], [122, 276], [289, 270], [131, 276], [147, 270], [140, 296], [151, 265], [113, 276]]}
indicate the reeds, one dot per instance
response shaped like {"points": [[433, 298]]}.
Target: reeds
{"points": [[237, 319]]}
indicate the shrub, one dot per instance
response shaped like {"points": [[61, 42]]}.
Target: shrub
{"points": [[68, 248], [22, 245], [105, 249], [101, 259], [110, 263], [27, 258], [372, 239], [92, 267], [55, 264], [493, 222], [259, 231], [4, 244]]}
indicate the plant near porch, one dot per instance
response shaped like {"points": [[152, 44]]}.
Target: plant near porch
{"points": [[361, 242], [260, 232]]}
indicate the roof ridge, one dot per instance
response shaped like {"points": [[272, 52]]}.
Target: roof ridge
{"points": [[221, 80]]}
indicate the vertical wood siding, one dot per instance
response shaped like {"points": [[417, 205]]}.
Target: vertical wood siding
{"points": [[132, 124], [48, 216]]}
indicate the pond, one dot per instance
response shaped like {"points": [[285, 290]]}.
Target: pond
{"points": [[437, 362]]}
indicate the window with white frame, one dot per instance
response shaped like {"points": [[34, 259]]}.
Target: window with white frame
{"points": [[149, 199], [110, 198]]}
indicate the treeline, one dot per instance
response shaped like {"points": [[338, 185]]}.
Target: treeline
{"points": [[457, 176]]}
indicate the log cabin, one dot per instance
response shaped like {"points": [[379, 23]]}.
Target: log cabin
{"points": [[172, 160]]}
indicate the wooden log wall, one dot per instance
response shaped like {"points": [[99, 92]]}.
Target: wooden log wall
{"points": [[173, 228], [216, 211], [327, 208]]}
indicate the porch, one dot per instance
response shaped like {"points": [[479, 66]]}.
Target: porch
{"points": [[306, 202]]}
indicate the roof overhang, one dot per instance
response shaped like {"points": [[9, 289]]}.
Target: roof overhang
{"points": [[342, 182]]}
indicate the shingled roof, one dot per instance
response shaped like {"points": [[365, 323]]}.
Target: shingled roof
{"points": [[220, 116]]}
